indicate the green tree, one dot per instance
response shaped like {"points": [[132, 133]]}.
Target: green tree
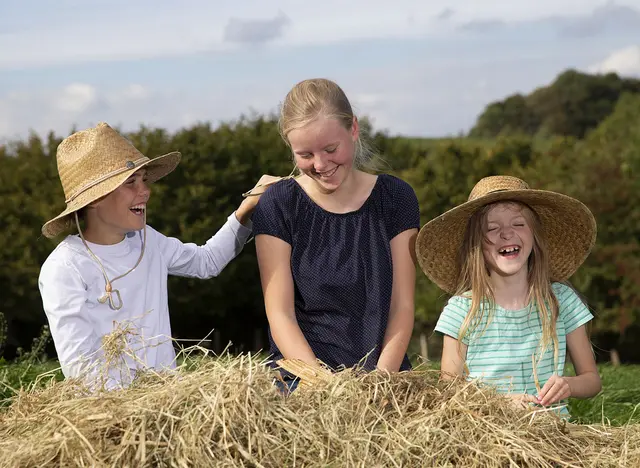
{"points": [[572, 105]]}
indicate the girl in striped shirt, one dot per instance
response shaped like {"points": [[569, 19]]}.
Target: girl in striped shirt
{"points": [[505, 256]]}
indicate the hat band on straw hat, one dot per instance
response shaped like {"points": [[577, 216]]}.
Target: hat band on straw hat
{"points": [[129, 165]]}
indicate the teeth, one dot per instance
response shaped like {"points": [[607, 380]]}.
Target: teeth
{"points": [[327, 173], [138, 207], [510, 250]]}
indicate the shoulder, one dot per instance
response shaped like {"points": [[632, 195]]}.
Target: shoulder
{"points": [[453, 315], [399, 194], [281, 195], [396, 186], [67, 258], [573, 310], [283, 189], [459, 304], [564, 293]]}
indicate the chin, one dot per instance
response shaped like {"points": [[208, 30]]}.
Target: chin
{"points": [[510, 271], [135, 226]]}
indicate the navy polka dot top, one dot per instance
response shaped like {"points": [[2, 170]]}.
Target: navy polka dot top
{"points": [[341, 266]]}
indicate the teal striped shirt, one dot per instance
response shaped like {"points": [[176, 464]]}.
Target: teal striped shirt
{"points": [[501, 354]]}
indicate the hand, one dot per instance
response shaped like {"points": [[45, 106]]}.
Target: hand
{"points": [[264, 182], [556, 389], [522, 400], [248, 205]]}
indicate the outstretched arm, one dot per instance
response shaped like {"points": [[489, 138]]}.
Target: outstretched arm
{"points": [[401, 313], [206, 261], [274, 257]]}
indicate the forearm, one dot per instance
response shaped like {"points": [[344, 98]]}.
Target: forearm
{"points": [[396, 340], [290, 340], [209, 260], [586, 385], [244, 212]]}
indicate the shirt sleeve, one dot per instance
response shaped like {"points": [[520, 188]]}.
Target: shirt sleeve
{"points": [[453, 316], [78, 347], [406, 211], [573, 311], [206, 261], [270, 216]]}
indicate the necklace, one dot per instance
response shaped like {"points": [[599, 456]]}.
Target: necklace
{"points": [[108, 288]]}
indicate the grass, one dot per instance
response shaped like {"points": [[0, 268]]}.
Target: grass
{"points": [[619, 401]]}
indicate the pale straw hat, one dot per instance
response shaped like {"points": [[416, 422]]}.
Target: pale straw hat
{"points": [[93, 163], [569, 226]]}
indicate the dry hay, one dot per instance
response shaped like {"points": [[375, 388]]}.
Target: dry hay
{"points": [[226, 412]]}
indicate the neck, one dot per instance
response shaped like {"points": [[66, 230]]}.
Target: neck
{"points": [[343, 194], [511, 292], [102, 236]]}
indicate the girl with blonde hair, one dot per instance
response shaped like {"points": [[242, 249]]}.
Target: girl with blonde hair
{"points": [[335, 244], [505, 256]]}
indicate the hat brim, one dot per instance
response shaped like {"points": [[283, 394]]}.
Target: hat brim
{"points": [[569, 225], [156, 168]]}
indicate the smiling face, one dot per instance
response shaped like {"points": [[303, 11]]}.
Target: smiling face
{"points": [[508, 239], [324, 151], [120, 212]]}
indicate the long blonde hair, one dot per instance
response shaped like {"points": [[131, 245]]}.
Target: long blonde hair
{"points": [[473, 279], [319, 97]]}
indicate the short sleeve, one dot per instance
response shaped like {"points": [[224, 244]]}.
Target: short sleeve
{"points": [[406, 211], [273, 212], [573, 312], [453, 316]]}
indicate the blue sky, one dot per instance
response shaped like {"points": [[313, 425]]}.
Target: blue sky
{"points": [[414, 68]]}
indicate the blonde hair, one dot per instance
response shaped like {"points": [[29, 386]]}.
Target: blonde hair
{"points": [[319, 97], [473, 279]]}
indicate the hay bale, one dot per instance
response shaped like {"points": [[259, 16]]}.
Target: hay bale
{"points": [[226, 412]]}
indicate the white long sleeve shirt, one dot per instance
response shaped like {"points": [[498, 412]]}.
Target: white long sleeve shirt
{"points": [[71, 282]]}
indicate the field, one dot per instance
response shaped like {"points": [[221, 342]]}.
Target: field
{"points": [[617, 404]]}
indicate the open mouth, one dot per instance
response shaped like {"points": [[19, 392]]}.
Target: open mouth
{"points": [[138, 210], [328, 174], [510, 251]]}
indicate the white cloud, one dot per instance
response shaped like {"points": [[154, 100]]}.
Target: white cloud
{"points": [[419, 98], [624, 62], [256, 31], [76, 98], [87, 32]]}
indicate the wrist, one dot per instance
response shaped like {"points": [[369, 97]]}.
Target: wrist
{"points": [[243, 213]]}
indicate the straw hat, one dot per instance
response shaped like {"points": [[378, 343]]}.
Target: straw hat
{"points": [[93, 163], [569, 226]]}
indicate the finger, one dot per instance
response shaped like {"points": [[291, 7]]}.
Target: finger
{"points": [[552, 396], [546, 387]]}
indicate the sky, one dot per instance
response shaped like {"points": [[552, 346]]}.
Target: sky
{"points": [[414, 67]]}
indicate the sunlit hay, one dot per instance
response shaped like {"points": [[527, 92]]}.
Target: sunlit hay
{"points": [[226, 411]]}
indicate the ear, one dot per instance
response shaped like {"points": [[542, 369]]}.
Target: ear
{"points": [[355, 129]]}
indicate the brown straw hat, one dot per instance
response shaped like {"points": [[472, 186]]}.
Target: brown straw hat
{"points": [[93, 163], [569, 226]]}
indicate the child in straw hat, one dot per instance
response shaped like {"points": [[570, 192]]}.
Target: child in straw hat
{"points": [[505, 256], [115, 269]]}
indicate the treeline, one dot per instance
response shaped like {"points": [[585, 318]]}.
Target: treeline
{"points": [[601, 167]]}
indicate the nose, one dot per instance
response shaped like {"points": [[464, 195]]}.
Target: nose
{"points": [[144, 190], [320, 163], [506, 232]]}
